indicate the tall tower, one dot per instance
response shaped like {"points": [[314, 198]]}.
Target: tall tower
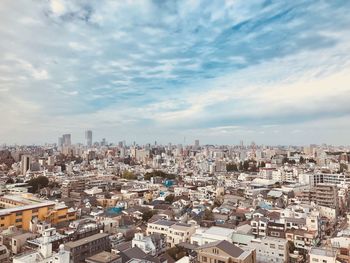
{"points": [[25, 164], [67, 140], [88, 137], [196, 144]]}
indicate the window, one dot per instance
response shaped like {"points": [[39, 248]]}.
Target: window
{"points": [[314, 260], [204, 259]]}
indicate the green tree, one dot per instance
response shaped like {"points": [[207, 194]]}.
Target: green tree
{"points": [[246, 165], [129, 175], [208, 215], [10, 181], [37, 183], [169, 198], [147, 215], [231, 167], [176, 253]]}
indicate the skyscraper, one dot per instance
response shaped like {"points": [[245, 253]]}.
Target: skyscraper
{"points": [[60, 142], [25, 163], [66, 140], [196, 144], [88, 137]]}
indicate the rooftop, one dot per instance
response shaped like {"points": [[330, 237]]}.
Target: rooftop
{"points": [[84, 241]]}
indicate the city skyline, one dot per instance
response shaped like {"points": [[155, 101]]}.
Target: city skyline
{"points": [[217, 71]]}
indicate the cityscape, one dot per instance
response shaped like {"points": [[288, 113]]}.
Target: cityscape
{"points": [[174, 131]]}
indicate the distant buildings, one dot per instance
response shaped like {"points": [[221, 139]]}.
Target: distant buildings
{"points": [[25, 163], [88, 138]]}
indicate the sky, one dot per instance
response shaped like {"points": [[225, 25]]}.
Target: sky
{"points": [[273, 72]]}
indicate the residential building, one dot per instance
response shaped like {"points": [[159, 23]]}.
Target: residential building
{"points": [[323, 255], [224, 252], [204, 236], [86, 247], [175, 232]]}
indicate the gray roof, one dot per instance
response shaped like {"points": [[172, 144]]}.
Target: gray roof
{"points": [[164, 222], [84, 241], [225, 246]]}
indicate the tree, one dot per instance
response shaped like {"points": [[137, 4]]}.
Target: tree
{"points": [[129, 175], [10, 181], [208, 215], [301, 160], [147, 215], [231, 167], [37, 183], [159, 173], [176, 252], [169, 198], [246, 165], [291, 246]]}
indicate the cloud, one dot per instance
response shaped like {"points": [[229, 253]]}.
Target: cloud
{"points": [[174, 66]]}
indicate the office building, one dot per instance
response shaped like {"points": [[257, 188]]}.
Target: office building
{"points": [[88, 138], [67, 140], [25, 164]]}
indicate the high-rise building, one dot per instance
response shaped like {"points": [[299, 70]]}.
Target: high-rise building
{"points": [[25, 163], [196, 144], [67, 140], [88, 137], [60, 142]]}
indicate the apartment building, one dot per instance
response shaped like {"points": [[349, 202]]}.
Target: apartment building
{"points": [[224, 252], [175, 232], [23, 209], [204, 236], [323, 194], [72, 185], [270, 249], [83, 248], [329, 178], [323, 255]]}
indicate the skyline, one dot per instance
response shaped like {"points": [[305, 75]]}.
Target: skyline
{"points": [[217, 71]]}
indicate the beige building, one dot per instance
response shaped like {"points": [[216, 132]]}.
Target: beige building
{"points": [[323, 255], [224, 252], [175, 232]]}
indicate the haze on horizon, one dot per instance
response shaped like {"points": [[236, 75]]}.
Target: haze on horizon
{"points": [[218, 71]]}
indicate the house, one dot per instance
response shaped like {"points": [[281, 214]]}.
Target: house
{"points": [[224, 252]]}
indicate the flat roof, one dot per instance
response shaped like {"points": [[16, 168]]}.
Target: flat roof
{"points": [[11, 210], [323, 252], [86, 240], [164, 222], [219, 231], [103, 257]]}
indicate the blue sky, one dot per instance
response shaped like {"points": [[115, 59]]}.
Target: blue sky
{"points": [[276, 72]]}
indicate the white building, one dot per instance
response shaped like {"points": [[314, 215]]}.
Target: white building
{"points": [[145, 243], [45, 253], [270, 249], [204, 236], [175, 232], [323, 255]]}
